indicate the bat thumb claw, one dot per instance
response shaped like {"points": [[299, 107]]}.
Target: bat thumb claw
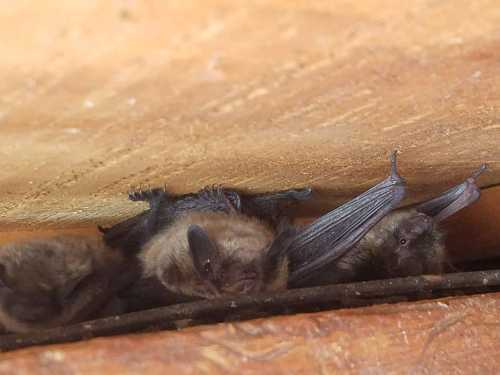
{"points": [[303, 194], [394, 167], [102, 229], [480, 171]]}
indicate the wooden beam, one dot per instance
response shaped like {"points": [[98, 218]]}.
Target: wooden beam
{"points": [[449, 336], [98, 97]]}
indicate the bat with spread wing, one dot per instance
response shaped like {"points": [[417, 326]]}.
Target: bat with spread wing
{"points": [[406, 242], [223, 242]]}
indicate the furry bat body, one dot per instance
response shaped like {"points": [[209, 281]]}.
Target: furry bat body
{"points": [[56, 281], [221, 242], [406, 242], [168, 219], [229, 253]]}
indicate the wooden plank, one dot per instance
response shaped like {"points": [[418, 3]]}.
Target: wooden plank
{"points": [[99, 96], [450, 336], [96, 97], [474, 233]]}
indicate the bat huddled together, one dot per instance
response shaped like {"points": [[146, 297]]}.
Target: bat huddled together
{"points": [[222, 242]]}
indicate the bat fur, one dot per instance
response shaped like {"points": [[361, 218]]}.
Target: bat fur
{"points": [[221, 242], [55, 281]]}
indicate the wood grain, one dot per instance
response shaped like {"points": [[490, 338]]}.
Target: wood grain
{"points": [[96, 97], [451, 336]]}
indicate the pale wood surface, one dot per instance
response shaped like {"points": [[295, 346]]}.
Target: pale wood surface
{"points": [[451, 336], [97, 96]]}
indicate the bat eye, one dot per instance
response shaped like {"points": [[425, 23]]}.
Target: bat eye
{"points": [[402, 241]]}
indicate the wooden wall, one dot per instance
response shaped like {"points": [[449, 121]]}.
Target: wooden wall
{"points": [[100, 96]]}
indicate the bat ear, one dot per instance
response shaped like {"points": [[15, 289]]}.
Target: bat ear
{"points": [[203, 252]]}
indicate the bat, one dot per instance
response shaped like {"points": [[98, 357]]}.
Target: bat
{"points": [[406, 242], [220, 242], [132, 235], [50, 282]]}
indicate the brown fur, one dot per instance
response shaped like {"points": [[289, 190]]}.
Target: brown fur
{"points": [[379, 254], [42, 274], [241, 241]]}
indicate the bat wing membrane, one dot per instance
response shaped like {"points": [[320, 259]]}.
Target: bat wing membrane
{"points": [[454, 199], [329, 237]]}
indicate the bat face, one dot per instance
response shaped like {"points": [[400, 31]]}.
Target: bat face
{"points": [[212, 254], [404, 243], [228, 275], [418, 246]]}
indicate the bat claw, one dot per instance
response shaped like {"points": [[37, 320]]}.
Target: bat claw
{"points": [[302, 194], [479, 172], [134, 195], [147, 195], [102, 229], [233, 201]]}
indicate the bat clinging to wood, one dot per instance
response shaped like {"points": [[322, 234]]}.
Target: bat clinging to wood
{"points": [[406, 242], [221, 242], [165, 209], [130, 235], [51, 282]]}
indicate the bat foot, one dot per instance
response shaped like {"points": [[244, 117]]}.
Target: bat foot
{"points": [[301, 194], [218, 194], [148, 195]]}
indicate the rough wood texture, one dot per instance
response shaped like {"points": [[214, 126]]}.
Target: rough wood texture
{"points": [[98, 96], [474, 233], [452, 336]]}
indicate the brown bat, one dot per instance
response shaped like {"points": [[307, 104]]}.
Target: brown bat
{"points": [[51, 282], [406, 242], [222, 242]]}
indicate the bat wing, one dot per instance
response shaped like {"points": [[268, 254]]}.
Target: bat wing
{"points": [[271, 207], [329, 237], [133, 233], [454, 199]]}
